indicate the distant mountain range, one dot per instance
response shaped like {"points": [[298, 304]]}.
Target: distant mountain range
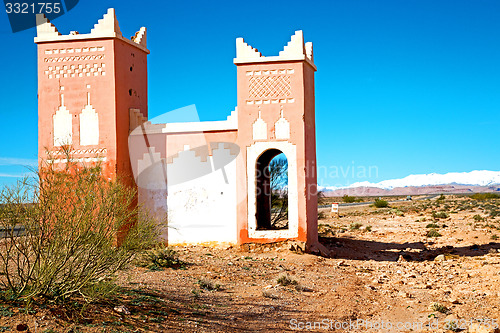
{"points": [[433, 183]]}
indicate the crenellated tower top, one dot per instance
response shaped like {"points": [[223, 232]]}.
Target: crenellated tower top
{"points": [[107, 27], [87, 86], [296, 49]]}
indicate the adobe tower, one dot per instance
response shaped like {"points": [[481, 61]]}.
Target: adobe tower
{"points": [[86, 85], [276, 103]]}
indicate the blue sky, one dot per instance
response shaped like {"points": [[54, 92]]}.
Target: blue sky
{"points": [[402, 87]]}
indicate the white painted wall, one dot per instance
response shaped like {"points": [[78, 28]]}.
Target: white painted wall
{"points": [[203, 209], [200, 197]]}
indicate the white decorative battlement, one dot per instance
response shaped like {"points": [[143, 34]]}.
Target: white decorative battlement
{"points": [[294, 50], [309, 51], [140, 37], [295, 46], [44, 28], [107, 27], [230, 124], [232, 119], [245, 51]]}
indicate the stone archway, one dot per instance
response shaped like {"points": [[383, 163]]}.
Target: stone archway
{"points": [[259, 155]]}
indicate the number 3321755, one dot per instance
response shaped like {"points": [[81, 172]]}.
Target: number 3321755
{"points": [[32, 8]]}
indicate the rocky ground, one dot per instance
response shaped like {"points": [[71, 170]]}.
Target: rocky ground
{"points": [[385, 274]]}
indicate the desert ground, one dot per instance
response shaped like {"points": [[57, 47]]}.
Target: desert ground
{"points": [[428, 265]]}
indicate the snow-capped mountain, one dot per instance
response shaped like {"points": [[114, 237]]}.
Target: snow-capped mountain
{"points": [[478, 177], [473, 181]]}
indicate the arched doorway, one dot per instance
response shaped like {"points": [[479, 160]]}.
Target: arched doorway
{"points": [[271, 190]]}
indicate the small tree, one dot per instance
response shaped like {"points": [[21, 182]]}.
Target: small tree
{"points": [[71, 217], [379, 203], [278, 171], [322, 199], [348, 199]]}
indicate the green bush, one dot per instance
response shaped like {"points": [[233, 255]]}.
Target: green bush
{"points": [[379, 203], [71, 228], [494, 213], [433, 233], [164, 257], [478, 218], [348, 199], [485, 196], [322, 215], [439, 308], [397, 212], [440, 215], [355, 226], [432, 225]]}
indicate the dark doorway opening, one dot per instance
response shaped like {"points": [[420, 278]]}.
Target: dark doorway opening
{"points": [[272, 190]]}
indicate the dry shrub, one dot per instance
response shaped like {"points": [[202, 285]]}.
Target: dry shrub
{"points": [[70, 218], [159, 258], [433, 233], [286, 280], [208, 284]]}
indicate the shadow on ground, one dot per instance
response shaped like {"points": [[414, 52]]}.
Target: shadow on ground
{"points": [[356, 249]]}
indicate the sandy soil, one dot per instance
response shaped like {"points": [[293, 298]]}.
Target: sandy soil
{"points": [[387, 275]]}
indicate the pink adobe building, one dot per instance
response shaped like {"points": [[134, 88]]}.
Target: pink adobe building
{"points": [[207, 177]]}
